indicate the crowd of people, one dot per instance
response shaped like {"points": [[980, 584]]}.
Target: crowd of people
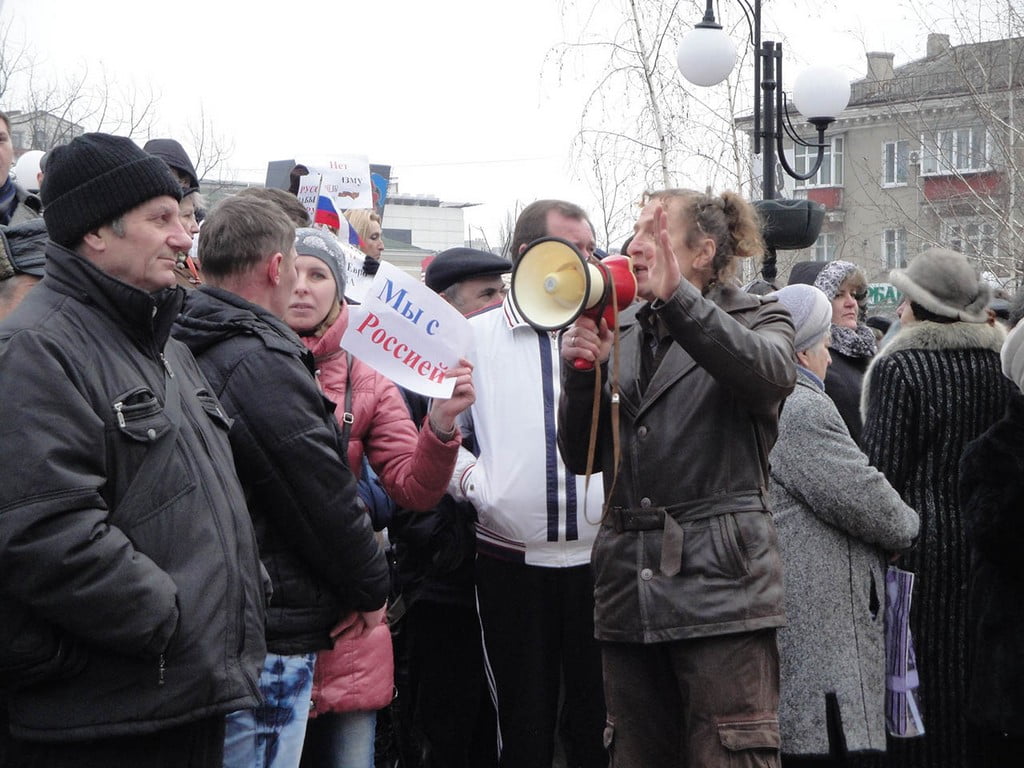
{"points": [[225, 540]]}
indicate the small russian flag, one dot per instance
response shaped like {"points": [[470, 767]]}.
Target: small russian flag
{"points": [[326, 213], [347, 234]]}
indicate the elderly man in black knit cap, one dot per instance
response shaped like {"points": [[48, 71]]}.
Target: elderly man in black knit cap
{"points": [[132, 604]]}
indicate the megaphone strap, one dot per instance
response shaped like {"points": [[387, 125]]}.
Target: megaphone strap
{"points": [[595, 415]]}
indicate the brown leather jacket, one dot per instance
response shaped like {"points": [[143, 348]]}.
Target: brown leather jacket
{"points": [[694, 453]]}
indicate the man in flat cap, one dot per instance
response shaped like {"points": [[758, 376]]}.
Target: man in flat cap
{"points": [[468, 279], [131, 597], [534, 585]]}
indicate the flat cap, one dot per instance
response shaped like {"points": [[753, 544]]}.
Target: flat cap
{"points": [[458, 264]]}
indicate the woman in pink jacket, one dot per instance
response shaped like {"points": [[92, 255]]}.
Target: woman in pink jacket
{"points": [[356, 677]]}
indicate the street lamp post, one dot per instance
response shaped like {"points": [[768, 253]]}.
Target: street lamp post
{"points": [[707, 55]]}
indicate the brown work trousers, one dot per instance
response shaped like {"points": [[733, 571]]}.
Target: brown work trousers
{"points": [[700, 703]]}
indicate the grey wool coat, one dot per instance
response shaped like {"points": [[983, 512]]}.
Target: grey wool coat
{"points": [[836, 517]]}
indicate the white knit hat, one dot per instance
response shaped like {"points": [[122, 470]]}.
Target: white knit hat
{"points": [[1012, 355], [811, 311]]}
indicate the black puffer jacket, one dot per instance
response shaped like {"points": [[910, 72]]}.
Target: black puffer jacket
{"points": [[163, 599], [314, 538]]}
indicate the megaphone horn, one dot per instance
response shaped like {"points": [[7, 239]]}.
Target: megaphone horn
{"points": [[553, 284]]}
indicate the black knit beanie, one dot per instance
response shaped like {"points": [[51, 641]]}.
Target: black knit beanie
{"points": [[94, 179]]}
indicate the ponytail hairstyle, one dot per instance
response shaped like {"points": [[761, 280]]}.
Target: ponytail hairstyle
{"points": [[728, 219]]}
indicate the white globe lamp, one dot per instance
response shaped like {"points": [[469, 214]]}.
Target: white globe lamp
{"points": [[821, 92], [706, 55]]}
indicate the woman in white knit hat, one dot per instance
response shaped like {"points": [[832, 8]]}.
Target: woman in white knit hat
{"points": [[836, 518], [931, 390]]}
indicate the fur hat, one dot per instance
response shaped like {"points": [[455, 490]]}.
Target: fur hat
{"points": [[943, 282], [95, 178], [321, 244], [811, 311]]}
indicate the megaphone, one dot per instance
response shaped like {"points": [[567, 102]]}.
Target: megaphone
{"points": [[553, 283]]}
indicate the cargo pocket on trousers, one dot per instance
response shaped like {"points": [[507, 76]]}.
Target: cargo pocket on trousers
{"points": [[760, 739]]}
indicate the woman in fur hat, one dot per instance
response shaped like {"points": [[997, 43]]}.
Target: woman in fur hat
{"points": [[934, 388]]}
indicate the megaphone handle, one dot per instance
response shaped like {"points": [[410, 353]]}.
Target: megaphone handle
{"points": [[582, 365]]}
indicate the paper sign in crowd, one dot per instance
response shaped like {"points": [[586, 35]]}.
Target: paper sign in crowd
{"points": [[408, 333]]}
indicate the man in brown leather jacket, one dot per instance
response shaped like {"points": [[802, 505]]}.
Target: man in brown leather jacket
{"points": [[688, 582]]}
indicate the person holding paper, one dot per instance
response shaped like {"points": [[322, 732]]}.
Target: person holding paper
{"points": [[837, 517], [356, 678]]}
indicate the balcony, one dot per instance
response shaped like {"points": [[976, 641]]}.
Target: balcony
{"points": [[952, 188]]}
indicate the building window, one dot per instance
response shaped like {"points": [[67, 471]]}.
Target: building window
{"points": [[958, 150], [830, 174], [18, 139], [895, 160], [975, 239], [894, 248], [825, 247]]}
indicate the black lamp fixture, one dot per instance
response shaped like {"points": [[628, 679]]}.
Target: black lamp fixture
{"points": [[707, 55]]}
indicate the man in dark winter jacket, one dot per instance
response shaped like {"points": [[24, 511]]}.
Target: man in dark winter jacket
{"points": [[314, 537], [132, 604]]}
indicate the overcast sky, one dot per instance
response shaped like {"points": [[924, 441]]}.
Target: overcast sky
{"points": [[453, 94]]}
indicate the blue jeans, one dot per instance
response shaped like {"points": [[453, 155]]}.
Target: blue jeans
{"points": [[271, 735], [340, 740]]}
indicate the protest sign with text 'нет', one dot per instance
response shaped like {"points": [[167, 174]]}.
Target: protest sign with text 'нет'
{"points": [[408, 333]]}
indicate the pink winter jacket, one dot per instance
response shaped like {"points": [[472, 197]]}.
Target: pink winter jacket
{"points": [[414, 467]]}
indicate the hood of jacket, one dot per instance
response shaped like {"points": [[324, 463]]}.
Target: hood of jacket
{"points": [[210, 315]]}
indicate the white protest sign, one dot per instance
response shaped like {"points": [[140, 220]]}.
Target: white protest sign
{"points": [[344, 178], [408, 333], [309, 191], [357, 282]]}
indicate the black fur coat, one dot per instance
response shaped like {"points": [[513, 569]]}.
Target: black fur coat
{"points": [[992, 499]]}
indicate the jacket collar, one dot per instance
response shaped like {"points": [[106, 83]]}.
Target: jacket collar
{"points": [[677, 362], [328, 346], [936, 337], [227, 314], [146, 317]]}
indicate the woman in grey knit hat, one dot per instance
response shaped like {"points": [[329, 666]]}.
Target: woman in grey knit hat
{"points": [[836, 517], [931, 390]]}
